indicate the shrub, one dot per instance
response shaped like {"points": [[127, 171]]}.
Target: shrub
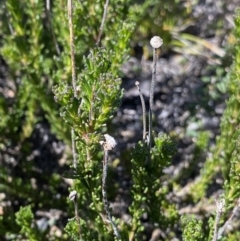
{"points": [[37, 54]]}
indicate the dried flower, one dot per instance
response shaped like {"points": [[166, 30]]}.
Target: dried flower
{"points": [[109, 144], [73, 195]]}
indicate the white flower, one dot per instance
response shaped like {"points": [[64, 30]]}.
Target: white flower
{"points": [[156, 42], [110, 142]]}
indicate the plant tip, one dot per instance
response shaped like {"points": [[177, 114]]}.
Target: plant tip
{"points": [[156, 42]]}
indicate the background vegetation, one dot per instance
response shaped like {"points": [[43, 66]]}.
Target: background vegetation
{"points": [[162, 192]]}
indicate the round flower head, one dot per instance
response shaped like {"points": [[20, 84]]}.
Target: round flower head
{"points": [[156, 42], [110, 142]]}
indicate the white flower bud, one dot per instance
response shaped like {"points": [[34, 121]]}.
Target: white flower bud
{"points": [[156, 42]]}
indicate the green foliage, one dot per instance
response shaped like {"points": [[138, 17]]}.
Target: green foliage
{"points": [[98, 96], [71, 228], [28, 52], [226, 153], [192, 229], [149, 194], [31, 47], [35, 47], [232, 236], [24, 218]]}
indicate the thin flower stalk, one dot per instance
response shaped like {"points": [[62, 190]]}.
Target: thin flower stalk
{"points": [[143, 110], [108, 145], [155, 42], [102, 23]]}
